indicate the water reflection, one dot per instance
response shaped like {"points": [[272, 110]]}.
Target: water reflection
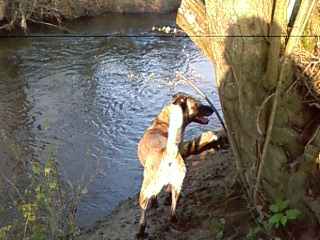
{"points": [[97, 95]]}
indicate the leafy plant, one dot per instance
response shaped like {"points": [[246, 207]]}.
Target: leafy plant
{"points": [[44, 204], [4, 231], [252, 233], [280, 213], [221, 224]]}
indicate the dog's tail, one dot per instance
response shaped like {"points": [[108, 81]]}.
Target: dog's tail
{"points": [[205, 141]]}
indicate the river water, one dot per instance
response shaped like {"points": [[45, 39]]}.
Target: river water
{"points": [[91, 96]]}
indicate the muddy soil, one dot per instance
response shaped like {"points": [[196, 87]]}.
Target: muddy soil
{"points": [[210, 193]]}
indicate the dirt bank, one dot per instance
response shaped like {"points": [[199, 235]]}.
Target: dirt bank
{"points": [[206, 198]]}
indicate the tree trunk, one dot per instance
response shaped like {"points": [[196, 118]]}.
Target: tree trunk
{"points": [[272, 120]]}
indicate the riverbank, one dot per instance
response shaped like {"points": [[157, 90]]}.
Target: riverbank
{"points": [[209, 195], [13, 15]]}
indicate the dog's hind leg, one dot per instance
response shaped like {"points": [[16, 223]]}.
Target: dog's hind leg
{"points": [[147, 192], [167, 196], [142, 222], [175, 195]]}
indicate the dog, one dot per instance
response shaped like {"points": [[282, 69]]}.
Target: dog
{"points": [[161, 151]]}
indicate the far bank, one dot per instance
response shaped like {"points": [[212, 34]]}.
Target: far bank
{"points": [[13, 15]]}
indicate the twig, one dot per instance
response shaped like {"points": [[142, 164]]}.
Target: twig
{"points": [[51, 25], [291, 86], [313, 137], [179, 74], [227, 201], [14, 186], [259, 112], [25, 228]]}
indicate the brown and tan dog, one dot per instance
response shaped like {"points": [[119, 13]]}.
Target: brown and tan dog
{"points": [[161, 150]]}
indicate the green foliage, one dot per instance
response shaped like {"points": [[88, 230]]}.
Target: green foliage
{"points": [[44, 207], [39, 203], [4, 231], [292, 214], [280, 213], [252, 233], [221, 224]]}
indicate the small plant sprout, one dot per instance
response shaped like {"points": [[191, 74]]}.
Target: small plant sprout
{"points": [[252, 233], [221, 224], [280, 213]]}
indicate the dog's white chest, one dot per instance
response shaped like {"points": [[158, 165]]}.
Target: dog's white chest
{"points": [[169, 172]]}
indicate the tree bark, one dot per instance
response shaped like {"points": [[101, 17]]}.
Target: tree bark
{"points": [[273, 131]]}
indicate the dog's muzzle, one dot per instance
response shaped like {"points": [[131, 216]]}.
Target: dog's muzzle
{"points": [[204, 111]]}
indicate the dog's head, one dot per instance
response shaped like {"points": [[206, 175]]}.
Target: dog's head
{"points": [[193, 110]]}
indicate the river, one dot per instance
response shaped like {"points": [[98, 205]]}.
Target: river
{"points": [[90, 94]]}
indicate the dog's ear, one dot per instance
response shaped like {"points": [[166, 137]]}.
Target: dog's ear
{"points": [[179, 100], [179, 95]]}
